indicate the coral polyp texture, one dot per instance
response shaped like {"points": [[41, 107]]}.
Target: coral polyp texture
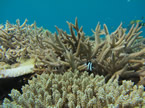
{"points": [[76, 90]]}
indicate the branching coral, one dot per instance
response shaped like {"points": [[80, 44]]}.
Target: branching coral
{"points": [[66, 51], [75, 90], [116, 56], [15, 42], [119, 54]]}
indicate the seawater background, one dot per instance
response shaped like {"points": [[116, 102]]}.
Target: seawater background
{"points": [[48, 13]]}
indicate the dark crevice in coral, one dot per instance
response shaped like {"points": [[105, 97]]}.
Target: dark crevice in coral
{"points": [[7, 84]]}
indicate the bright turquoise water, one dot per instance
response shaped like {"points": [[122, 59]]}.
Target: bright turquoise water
{"points": [[48, 13]]}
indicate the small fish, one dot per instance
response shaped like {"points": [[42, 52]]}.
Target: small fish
{"points": [[135, 21], [89, 66], [142, 24]]}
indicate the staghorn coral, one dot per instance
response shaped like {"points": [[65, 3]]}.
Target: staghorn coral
{"points": [[15, 41], [76, 90], [120, 53], [116, 56]]}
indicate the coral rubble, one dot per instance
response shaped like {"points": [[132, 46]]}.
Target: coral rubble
{"points": [[76, 90]]}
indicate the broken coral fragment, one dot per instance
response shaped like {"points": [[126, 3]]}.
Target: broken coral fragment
{"points": [[24, 68], [76, 90]]}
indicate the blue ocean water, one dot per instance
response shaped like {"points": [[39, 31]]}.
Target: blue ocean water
{"points": [[48, 13]]}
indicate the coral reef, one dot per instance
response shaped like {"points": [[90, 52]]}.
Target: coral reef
{"points": [[76, 90], [26, 50], [120, 53]]}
